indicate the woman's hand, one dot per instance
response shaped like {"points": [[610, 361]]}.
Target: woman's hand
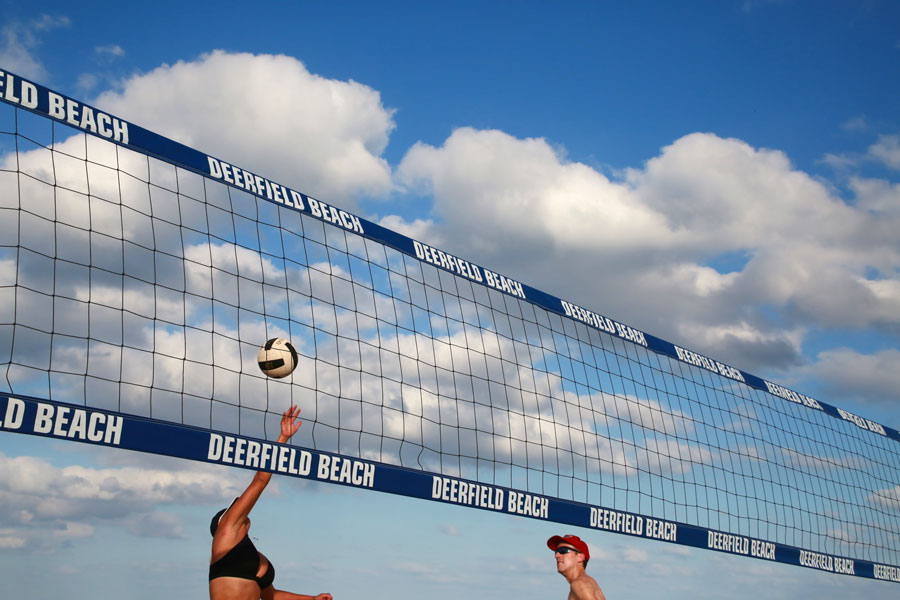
{"points": [[290, 423]]}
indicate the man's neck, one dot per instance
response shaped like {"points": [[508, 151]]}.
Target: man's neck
{"points": [[574, 573]]}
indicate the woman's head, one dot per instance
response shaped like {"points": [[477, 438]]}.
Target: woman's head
{"points": [[214, 524]]}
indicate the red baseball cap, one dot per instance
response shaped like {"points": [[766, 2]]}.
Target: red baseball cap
{"points": [[572, 540]]}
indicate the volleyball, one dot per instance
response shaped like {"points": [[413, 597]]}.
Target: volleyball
{"points": [[277, 358]]}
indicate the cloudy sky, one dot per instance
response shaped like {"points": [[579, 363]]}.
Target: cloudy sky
{"points": [[724, 175]]}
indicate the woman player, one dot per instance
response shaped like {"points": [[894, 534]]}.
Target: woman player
{"points": [[237, 571]]}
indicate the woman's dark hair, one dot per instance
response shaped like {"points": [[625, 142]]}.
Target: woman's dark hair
{"points": [[214, 524]]}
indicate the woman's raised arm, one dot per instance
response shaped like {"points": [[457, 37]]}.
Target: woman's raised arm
{"points": [[241, 507]]}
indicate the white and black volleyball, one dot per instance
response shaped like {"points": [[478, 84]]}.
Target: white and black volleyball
{"points": [[277, 358]]}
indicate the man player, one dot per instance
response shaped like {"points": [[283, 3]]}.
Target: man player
{"points": [[572, 557]]}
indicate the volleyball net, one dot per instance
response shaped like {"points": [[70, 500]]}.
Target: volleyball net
{"points": [[139, 277]]}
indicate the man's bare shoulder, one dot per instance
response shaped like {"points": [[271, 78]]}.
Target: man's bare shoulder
{"points": [[585, 588]]}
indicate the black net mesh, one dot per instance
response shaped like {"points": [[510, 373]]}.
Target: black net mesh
{"points": [[127, 283]]}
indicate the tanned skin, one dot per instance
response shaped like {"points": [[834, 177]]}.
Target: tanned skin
{"points": [[571, 566], [235, 523]]}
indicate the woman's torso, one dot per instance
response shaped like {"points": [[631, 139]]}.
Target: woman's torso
{"points": [[238, 573]]}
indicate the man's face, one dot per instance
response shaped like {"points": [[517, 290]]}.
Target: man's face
{"points": [[566, 559]]}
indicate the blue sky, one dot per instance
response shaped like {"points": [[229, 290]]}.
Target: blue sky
{"points": [[721, 174]]}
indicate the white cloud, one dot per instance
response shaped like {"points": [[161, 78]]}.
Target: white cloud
{"points": [[887, 498], [877, 196], [418, 229], [635, 555], [840, 162], [45, 505], [7, 272], [886, 151], [9, 540], [110, 50], [808, 462], [640, 248], [73, 531], [270, 115], [86, 82], [32, 476], [157, 524], [855, 124], [496, 189], [869, 378]]}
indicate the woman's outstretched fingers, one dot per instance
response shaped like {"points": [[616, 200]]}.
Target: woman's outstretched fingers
{"points": [[290, 422]]}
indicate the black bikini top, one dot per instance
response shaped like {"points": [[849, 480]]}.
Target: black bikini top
{"points": [[241, 561]]}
